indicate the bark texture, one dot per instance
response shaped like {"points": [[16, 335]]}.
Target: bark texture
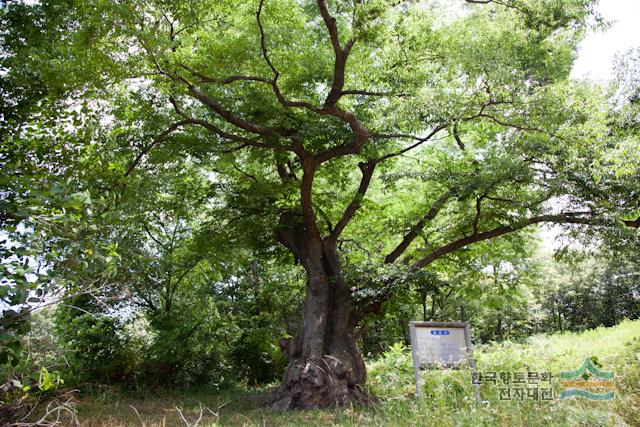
{"points": [[325, 365]]}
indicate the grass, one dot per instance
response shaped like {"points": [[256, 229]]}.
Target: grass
{"points": [[448, 401]]}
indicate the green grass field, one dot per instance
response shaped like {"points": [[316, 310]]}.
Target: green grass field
{"points": [[449, 399]]}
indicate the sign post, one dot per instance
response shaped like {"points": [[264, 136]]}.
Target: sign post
{"points": [[446, 344]]}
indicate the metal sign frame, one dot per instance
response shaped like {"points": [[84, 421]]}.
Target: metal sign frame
{"points": [[416, 359]]}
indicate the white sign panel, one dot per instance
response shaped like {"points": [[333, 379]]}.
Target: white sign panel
{"points": [[445, 344], [441, 345]]}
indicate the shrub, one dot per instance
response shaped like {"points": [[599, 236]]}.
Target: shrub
{"points": [[97, 349], [255, 356], [186, 350]]}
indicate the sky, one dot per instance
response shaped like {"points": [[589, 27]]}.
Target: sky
{"points": [[596, 54], [597, 51]]}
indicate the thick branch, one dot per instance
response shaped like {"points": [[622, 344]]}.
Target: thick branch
{"points": [[370, 93], [360, 136], [476, 219], [158, 139], [155, 239], [418, 143], [263, 44], [187, 270], [632, 223], [309, 167], [228, 80], [237, 120], [359, 131], [387, 291], [244, 142], [566, 218], [415, 230], [341, 54], [225, 114], [456, 136], [374, 304], [367, 171], [276, 74]]}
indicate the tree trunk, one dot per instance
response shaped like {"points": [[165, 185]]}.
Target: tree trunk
{"points": [[559, 310], [325, 366], [256, 286], [423, 299]]}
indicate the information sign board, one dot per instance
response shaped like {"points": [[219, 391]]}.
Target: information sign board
{"points": [[440, 344]]}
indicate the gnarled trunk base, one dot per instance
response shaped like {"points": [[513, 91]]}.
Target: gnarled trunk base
{"points": [[330, 381]]}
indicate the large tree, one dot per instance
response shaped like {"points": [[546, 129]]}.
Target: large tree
{"points": [[354, 133]]}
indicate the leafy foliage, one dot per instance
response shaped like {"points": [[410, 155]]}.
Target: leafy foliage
{"points": [[97, 348]]}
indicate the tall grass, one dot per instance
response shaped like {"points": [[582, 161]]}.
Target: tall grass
{"points": [[448, 394]]}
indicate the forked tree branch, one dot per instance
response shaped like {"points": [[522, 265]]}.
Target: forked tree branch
{"points": [[419, 142], [236, 120], [341, 54], [373, 304], [415, 230], [157, 140], [244, 141], [367, 172], [565, 218]]}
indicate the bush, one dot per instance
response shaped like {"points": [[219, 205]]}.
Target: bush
{"points": [[186, 350], [255, 356], [96, 346]]}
